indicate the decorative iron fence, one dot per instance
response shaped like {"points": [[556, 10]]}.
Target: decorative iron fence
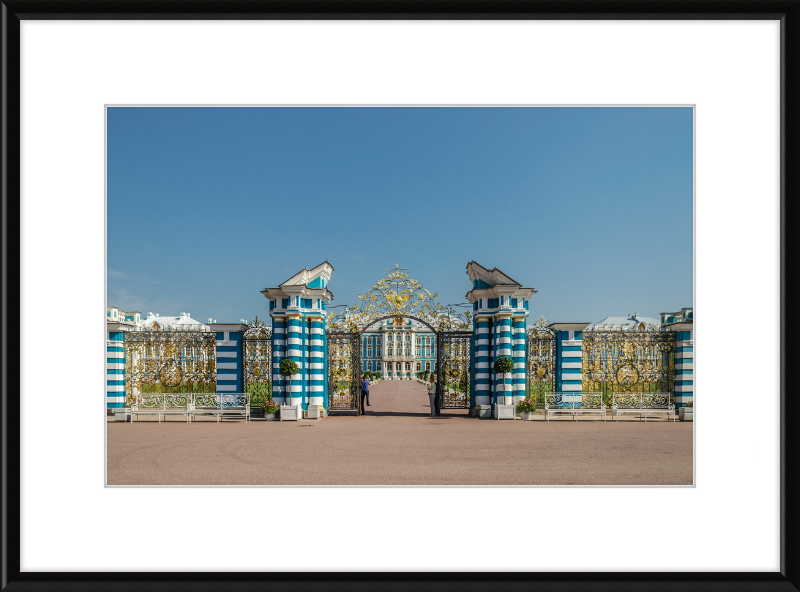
{"points": [[540, 366], [344, 371], [639, 361], [453, 369], [257, 363], [170, 362]]}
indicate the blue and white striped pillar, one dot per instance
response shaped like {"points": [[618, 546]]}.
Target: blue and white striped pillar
{"points": [[115, 370], [503, 383], [569, 356], [295, 351], [481, 326], [279, 384], [518, 329], [684, 364], [228, 356], [298, 308], [500, 309], [316, 357]]}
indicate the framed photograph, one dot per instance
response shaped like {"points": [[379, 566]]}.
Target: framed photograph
{"points": [[734, 66]]}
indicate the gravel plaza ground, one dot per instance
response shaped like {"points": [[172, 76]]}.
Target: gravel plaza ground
{"points": [[398, 443]]}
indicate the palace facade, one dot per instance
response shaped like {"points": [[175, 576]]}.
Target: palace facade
{"points": [[398, 350]]}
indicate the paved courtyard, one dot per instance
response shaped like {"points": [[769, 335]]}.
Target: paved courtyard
{"points": [[397, 443]]}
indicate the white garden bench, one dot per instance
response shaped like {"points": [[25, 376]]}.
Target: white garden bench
{"points": [[574, 404], [221, 405], [643, 404], [161, 405], [191, 405]]}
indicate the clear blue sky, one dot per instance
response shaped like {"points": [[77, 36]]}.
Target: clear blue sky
{"points": [[592, 207]]}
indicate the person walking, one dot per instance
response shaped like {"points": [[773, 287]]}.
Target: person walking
{"points": [[364, 393], [432, 395]]}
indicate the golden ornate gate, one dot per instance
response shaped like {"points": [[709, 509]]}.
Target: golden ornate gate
{"points": [[454, 368], [632, 361], [344, 371], [257, 362], [540, 364], [160, 361], [397, 296]]}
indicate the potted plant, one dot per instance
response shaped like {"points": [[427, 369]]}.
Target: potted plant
{"points": [[525, 407], [289, 368], [270, 408], [504, 365], [686, 413]]}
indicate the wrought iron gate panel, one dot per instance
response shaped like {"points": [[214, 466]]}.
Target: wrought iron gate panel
{"points": [[454, 349], [170, 362], [344, 371], [628, 361], [257, 363], [540, 363]]}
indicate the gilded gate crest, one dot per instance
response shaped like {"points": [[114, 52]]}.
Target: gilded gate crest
{"points": [[397, 295]]}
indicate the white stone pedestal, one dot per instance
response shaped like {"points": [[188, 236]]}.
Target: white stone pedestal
{"points": [[505, 412], [314, 412], [291, 412], [483, 411]]}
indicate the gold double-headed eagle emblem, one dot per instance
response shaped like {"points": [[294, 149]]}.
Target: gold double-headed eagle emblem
{"points": [[397, 300]]}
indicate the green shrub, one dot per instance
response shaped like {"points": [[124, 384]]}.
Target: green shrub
{"points": [[288, 367], [503, 365]]}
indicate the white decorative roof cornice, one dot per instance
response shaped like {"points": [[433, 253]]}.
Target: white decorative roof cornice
{"points": [[299, 284], [493, 283], [493, 276], [227, 327], [568, 326], [305, 276], [497, 291]]}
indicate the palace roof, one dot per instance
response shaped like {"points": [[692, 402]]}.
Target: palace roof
{"points": [[631, 322]]}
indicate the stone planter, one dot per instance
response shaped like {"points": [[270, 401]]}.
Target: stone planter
{"points": [[269, 417], [525, 416], [122, 414], [686, 413], [505, 412], [313, 412], [483, 412], [290, 412]]}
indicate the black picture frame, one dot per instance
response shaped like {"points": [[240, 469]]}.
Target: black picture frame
{"points": [[13, 11]]}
